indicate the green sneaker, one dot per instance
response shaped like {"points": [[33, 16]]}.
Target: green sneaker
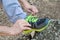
{"points": [[37, 24]]}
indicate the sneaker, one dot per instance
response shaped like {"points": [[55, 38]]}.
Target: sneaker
{"points": [[37, 24]]}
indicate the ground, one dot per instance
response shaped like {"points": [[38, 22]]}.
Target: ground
{"points": [[47, 8]]}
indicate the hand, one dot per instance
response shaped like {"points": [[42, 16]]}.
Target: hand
{"points": [[31, 8], [19, 26], [28, 7]]}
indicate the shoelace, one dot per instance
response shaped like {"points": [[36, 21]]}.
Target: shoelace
{"points": [[31, 18]]}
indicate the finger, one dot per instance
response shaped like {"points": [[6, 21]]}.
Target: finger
{"points": [[27, 25], [29, 10], [34, 9], [26, 28]]}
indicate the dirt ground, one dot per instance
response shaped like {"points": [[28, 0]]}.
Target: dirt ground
{"points": [[47, 8]]}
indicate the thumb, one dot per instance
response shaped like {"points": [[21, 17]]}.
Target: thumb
{"points": [[26, 28]]}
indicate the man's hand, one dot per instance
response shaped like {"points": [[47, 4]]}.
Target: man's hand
{"points": [[28, 7], [31, 8], [19, 26]]}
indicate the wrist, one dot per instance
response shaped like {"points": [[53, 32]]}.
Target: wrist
{"points": [[4, 29], [7, 30]]}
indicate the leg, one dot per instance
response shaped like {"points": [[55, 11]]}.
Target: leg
{"points": [[13, 10]]}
